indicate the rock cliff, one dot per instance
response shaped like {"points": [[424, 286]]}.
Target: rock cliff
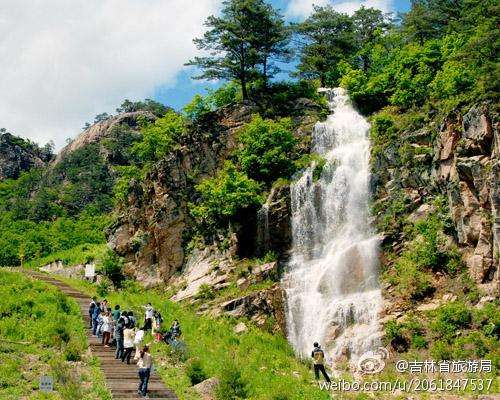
{"points": [[17, 155]]}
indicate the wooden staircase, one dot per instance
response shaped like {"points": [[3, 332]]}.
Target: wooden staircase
{"points": [[122, 380]]}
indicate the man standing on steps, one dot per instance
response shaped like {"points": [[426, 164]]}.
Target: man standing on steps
{"points": [[319, 362], [148, 317], [95, 318], [92, 305]]}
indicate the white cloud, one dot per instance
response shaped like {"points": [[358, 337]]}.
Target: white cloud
{"points": [[62, 62], [302, 8]]}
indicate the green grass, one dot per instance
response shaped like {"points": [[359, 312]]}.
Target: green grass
{"points": [[268, 367], [42, 333], [76, 255]]}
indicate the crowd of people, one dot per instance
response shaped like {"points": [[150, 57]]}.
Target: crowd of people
{"points": [[120, 328]]}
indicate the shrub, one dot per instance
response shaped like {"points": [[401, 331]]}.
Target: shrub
{"points": [[231, 386], [158, 138], [268, 149], [205, 292], [449, 319], [112, 267], [195, 372]]}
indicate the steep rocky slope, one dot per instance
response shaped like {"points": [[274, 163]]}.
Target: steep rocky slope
{"points": [[459, 160]]}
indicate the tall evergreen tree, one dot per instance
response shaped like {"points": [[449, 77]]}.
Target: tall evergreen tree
{"points": [[248, 33], [327, 38], [369, 24]]}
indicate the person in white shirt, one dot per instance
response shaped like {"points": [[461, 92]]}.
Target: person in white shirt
{"points": [[139, 337], [128, 343], [145, 362], [148, 317], [107, 328]]}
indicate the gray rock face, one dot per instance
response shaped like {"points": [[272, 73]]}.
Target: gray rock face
{"points": [[274, 229], [467, 168], [18, 155]]}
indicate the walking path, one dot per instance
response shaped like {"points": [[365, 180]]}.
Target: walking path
{"points": [[121, 379]]}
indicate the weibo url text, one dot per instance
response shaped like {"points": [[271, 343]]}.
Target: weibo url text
{"points": [[410, 385]]}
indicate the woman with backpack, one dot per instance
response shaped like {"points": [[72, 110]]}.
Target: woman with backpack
{"points": [[145, 362], [128, 342]]}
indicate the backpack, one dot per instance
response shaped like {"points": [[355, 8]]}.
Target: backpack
{"points": [[318, 356]]}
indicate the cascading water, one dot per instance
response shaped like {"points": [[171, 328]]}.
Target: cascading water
{"points": [[331, 282]]}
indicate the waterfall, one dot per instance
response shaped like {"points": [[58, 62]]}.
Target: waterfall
{"points": [[331, 282]]}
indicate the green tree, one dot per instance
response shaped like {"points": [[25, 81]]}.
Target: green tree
{"points": [[224, 196], [158, 137], [328, 38], [369, 25], [247, 34], [268, 147]]}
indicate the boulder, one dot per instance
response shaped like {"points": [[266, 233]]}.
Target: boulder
{"points": [[258, 306], [240, 328], [206, 389]]}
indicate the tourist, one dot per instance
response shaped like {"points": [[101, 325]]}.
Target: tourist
{"points": [[107, 328], [92, 305], [131, 318], [138, 338], [319, 362], [156, 328], [175, 329], [119, 327], [128, 342], [95, 318], [148, 317], [104, 305], [125, 318], [116, 313], [145, 362]]}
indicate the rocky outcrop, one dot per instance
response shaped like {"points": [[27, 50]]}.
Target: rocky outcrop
{"points": [[18, 155], [274, 230], [100, 130], [259, 306], [467, 165], [149, 233]]}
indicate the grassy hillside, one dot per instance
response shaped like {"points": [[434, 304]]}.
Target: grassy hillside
{"points": [[264, 364], [41, 333]]}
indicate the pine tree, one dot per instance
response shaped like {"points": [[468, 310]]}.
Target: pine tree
{"points": [[248, 34]]}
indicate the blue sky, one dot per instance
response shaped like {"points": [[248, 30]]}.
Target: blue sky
{"points": [[185, 88], [71, 60]]}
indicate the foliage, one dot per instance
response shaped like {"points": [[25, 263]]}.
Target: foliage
{"points": [[205, 292], [215, 99], [231, 386], [268, 149], [224, 196], [126, 175], [158, 138], [23, 240], [247, 34], [112, 267], [152, 106], [195, 372]]}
